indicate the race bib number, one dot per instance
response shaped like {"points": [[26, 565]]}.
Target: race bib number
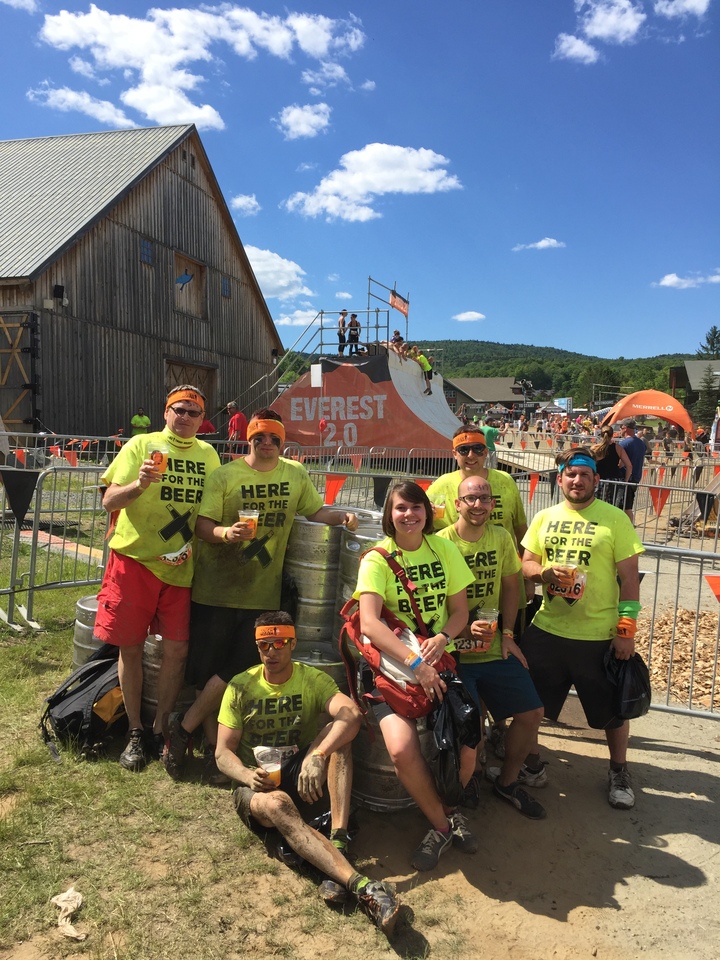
{"points": [[569, 594]]}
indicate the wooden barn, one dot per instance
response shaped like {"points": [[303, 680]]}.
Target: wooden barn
{"points": [[121, 275]]}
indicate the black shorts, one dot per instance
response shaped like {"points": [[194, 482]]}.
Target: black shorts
{"points": [[558, 663], [242, 798], [222, 642]]}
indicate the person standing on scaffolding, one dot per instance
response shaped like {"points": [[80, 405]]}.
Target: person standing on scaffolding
{"points": [[341, 332], [353, 335]]}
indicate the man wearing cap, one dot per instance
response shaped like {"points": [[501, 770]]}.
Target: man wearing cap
{"points": [[239, 571], [491, 665], [237, 425], [578, 550], [146, 587], [276, 706], [635, 449]]}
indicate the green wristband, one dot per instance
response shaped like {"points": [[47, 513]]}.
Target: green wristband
{"points": [[629, 608]]}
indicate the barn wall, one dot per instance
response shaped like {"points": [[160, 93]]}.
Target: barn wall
{"points": [[106, 353]]}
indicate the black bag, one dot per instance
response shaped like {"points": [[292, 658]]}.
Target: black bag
{"points": [[455, 723], [631, 679], [87, 707]]}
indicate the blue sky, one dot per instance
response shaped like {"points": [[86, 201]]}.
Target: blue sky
{"points": [[528, 171]]}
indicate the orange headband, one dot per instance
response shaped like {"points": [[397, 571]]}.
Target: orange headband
{"points": [[266, 426], [464, 438], [189, 395], [273, 632]]}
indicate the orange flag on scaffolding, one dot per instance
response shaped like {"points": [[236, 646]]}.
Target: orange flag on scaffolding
{"points": [[423, 483], [333, 485], [534, 477], [714, 584], [659, 496]]}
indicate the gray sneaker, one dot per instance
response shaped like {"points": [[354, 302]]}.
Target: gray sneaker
{"points": [[528, 778], [461, 836], [620, 792], [431, 849], [133, 756]]}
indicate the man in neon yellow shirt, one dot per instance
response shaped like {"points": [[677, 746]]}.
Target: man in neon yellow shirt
{"points": [[492, 665], [277, 704], [154, 488], [578, 550], [140, 423], [239, 571]]}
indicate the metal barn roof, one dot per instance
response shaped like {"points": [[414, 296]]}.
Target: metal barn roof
{"points": [[53, 189]]}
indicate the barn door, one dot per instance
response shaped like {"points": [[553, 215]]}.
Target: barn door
{"points": [[19, 381], [202, 377]]}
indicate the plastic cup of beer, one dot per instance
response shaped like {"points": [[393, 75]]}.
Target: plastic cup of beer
{"points": [[270, 760], [438, 506], [487, 617], [249, 519], [569, 572], [159, 454]]}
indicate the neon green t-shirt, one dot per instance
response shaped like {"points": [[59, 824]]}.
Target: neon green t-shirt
{"points": [[489, 560], [437, 569], [275, 715], [158, 528], [248, 575], [509, 511], [491, 434], [139, 424], [596, 539]]}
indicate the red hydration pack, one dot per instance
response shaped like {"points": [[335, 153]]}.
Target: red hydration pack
{"points": [[406, 698]]}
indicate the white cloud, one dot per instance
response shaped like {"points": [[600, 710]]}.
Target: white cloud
{"points": [[547, 243], [568, 47], [65, 100], [277, 277], [368, 85], [333, 277], [245, 204], [612, 21], [29, 5], [85, 69], [681, 8], [373, 171], [329, 75], [468, 316], [687, 283], [153, 53], [306, 121], [298, 318], [343, 295]]}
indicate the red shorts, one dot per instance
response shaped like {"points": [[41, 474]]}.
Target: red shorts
{"points": [[132, 603]]}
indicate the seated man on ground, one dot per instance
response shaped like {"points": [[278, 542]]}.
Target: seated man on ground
{"points": [[491, 664], [277, 704]]}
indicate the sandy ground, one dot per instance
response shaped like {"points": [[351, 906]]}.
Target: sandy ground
{"points": [[589, 881]]}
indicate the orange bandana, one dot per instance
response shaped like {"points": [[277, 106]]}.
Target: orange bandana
{"points": [[274, 632], [190, 395], [266, 426], [467, 438]]}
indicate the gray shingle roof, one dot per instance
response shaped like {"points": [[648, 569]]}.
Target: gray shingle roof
{"points": [[488, 389], [52, 189]]}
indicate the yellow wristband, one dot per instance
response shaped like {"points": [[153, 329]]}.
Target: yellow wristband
{"points": [[318, 753], [225, 535]]}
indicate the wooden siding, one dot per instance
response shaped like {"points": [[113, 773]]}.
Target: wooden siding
{"points": [[106, 353]]}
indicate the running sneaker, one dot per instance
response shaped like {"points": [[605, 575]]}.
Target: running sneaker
{"points": [[497, 741], [513, 793], [133, 756], [527, 777], [461, 836], [377, 900], [620, 792], [431, 849], [179, 744]]}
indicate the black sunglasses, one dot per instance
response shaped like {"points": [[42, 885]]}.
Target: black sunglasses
{"points": [[184, 412], [477, 448]]}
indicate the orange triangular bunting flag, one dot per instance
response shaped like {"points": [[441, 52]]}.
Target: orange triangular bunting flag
{"points": [[20, 456], [333, 485], [716, 471], [55, 451], [356, 460], [534, 477], [549, 443], [659, 498], [714, 584], [423, 483], [656, 453], [71, 457], [684, 472], [661, 474], [685, 453], [523, 444]]}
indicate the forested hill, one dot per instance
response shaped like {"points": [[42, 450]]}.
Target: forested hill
{"points": [[565, 372]]}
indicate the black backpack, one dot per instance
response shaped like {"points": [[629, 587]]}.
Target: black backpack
{"points": [[87, 707]]}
